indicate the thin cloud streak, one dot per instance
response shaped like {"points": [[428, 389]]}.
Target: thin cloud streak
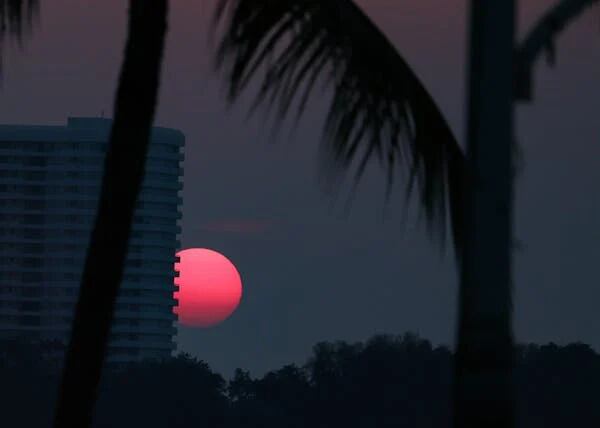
{"points": [[239, 226]]}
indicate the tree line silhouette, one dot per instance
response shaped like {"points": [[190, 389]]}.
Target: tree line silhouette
{"points": [[387, 381]]}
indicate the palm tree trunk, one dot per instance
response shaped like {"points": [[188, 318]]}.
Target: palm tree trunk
{"points": [[123, 172], [484, 353]]}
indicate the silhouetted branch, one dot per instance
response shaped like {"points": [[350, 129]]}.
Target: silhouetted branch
{"points": [[543, 38]]}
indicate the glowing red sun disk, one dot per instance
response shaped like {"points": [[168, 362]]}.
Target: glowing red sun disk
{"points": [[210, 287]]}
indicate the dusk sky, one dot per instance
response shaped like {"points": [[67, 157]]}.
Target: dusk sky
{"points": [[310, 272]]}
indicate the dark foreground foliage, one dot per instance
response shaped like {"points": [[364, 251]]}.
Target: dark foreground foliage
{"points": [[387, 381]]}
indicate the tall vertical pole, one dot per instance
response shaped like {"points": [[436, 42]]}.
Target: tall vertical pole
{"points": [[485, 345]]}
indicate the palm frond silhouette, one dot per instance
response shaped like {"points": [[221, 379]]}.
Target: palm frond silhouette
{"points": [[16, 21], [16, 16], [379, 110]]}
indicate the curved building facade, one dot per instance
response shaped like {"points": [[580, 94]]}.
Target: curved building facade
{"points": [[50, 180]]}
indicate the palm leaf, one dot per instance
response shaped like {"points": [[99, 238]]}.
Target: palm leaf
{"points": [[16, 19], [379, 107]]}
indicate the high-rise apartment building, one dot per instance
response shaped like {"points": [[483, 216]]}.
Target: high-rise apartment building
{"points": [[50, 180]]}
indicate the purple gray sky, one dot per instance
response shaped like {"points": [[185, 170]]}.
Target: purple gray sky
{"points": [[311, 273]]}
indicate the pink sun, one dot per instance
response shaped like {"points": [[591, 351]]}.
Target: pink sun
{"points": [[210, 287]]}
